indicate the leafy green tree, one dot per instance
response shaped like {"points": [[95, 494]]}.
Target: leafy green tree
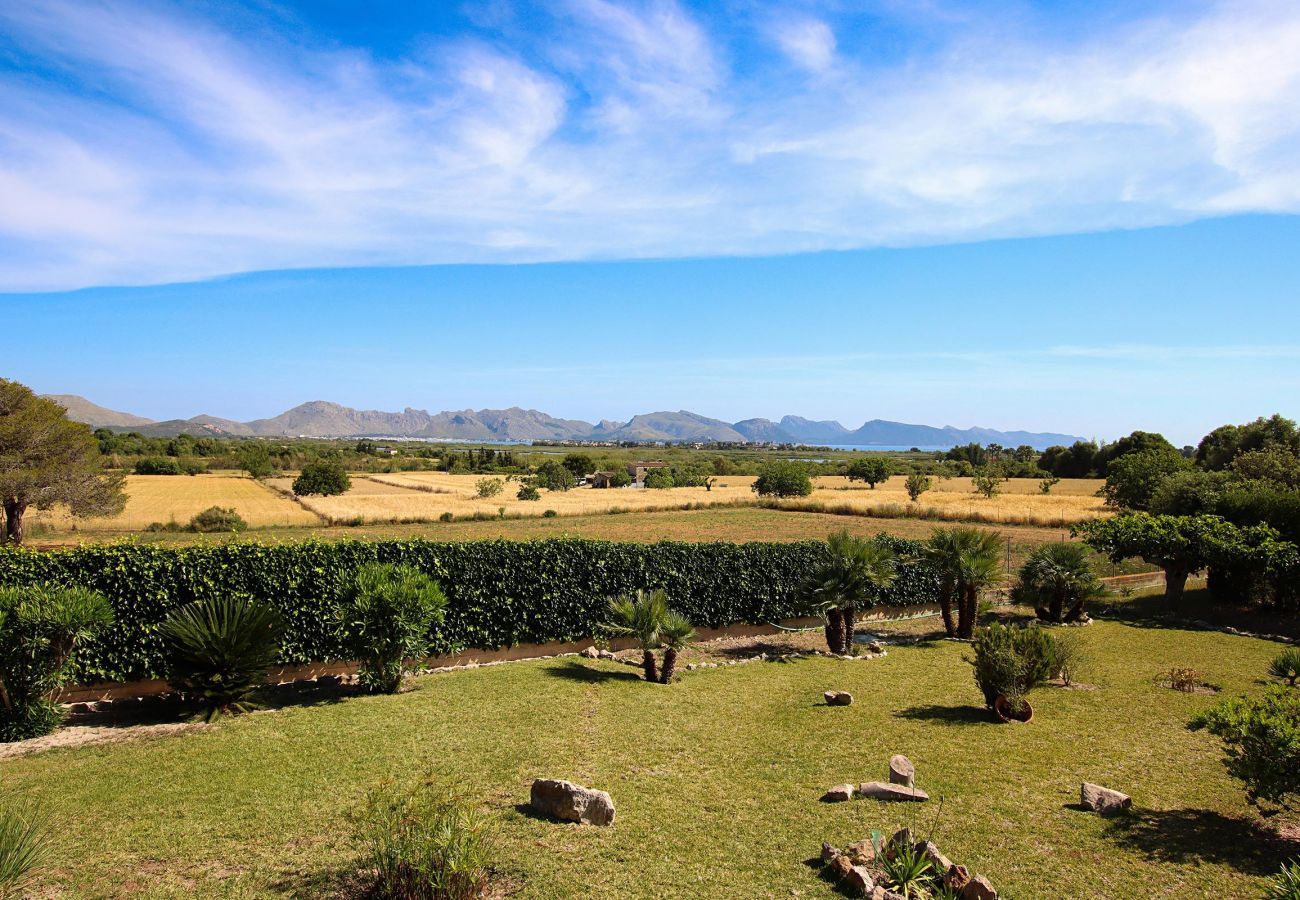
{"points": [[47, 460], [1218, 449], [783, 478], [1025, 454], [1273, 464], [1137, 442], [41, 628], [326, 477], [1057, 580], [1190, 492], [386, 615], [969, 562], [974, 454], [528, 491], [988, 481], [660, 478], [871, 469], [1132, 480], [220, 650], [579, 464], [918, 484], [255, 458], [1180, 545], [1047, 483], [852, 571], [1076, 461], [554, 476]]}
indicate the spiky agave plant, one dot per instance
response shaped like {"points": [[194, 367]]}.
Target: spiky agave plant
{"points": [[1285, 885], [1286, 665], [909, 872], [675, 633], [641, 616], [219, 651]]}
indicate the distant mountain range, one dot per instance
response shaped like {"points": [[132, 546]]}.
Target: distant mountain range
{"points": [[323, 419]]}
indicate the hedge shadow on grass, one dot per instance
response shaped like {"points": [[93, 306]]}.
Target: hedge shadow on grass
{"points": [[575, 671], [1190, 836]]}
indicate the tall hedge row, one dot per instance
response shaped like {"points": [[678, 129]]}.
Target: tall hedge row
{"points": [[500, 592]]}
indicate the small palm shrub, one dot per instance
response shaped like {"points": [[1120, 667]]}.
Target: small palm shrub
{"points": [[1285, 885], [386, 616], [424, 843], [24, 844], [1058, 580], [1012, 661], [1261, 740], [1286, 665], [675, 632], [217, 518], [640, 616], [218, 652], [41, 627]]}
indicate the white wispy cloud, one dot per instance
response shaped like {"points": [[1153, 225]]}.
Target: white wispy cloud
{"points": [[146, 144]]}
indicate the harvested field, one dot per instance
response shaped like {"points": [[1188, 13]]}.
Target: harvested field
{"points": [[177, 498]]}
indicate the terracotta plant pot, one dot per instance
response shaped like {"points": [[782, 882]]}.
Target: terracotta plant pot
{"points": [[1002, 707]]}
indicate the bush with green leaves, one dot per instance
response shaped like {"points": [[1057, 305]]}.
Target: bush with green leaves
{"points": [[217, 518], [783, 478], [908, 872], [1132, 480], [42, 626], [1285, 885], [24, 845], [1261, 741], [528, 492], [1011, 661], [1057, 580], [987, 481], [1048, 482], [325, 477], [219, 651], [169, 465], [386, 616], [917, 484], [1070, 655], [553, 476], [424, 842], [1286, 665], [488, 487]]}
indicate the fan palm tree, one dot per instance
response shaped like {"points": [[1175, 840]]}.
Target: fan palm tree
{"points": [[641, 616], [1057, 580], [968, 561], [675, 632], [853, 571]]}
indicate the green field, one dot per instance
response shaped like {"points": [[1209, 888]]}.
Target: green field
{"points": [[716, 779]]}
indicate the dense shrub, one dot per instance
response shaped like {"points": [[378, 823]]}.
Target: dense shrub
{"points": [[168, 465], [42, 627], [499, 592], [326, 477], [1011, 661], [783, 478], [918, 484], [528, 492], [488, 487], [218, 518], [386, 615], [1133, 480], [554, 476], [218, 651], [1261, 739], [424, 843]]}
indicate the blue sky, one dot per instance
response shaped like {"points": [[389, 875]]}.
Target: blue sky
{"points": [[1068, 216]]}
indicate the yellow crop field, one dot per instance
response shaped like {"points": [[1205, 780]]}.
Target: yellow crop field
{"points": [[167, 498], [428, 495]]}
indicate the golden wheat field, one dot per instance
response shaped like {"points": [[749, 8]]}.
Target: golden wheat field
{"points": [[177, 498], [428, 495]]}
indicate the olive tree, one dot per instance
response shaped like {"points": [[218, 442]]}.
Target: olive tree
{"points": [[872, 469], [48, 460]]}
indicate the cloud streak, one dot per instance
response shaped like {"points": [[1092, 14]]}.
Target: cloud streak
{"points": [[142, 144]]}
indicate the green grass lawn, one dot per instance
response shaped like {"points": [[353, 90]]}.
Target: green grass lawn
{"points": [[716, 779]]}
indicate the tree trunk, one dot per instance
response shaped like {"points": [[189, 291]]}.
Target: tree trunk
{"points": [[850, 614], [1058, 607], [945, 607], [648, 662], [1075, 613], [1175, 584], [834, 629], [966, 612], [669, 667], [14, 520]]}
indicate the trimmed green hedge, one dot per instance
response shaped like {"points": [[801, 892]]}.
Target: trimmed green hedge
{"points": [[500, 593]]}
